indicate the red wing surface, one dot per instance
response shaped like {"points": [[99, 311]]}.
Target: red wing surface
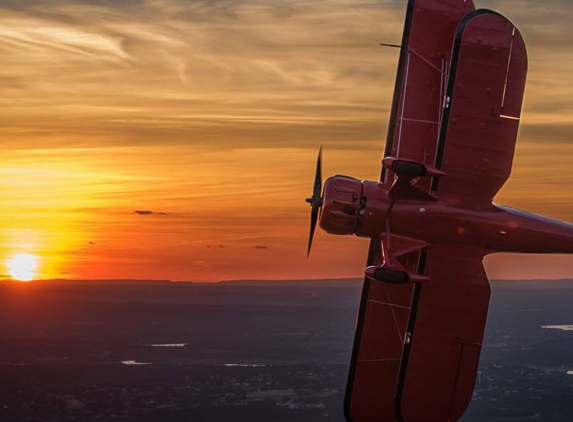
{"points": [[378, 349], [446, 325], [413, 133], [485, 92], [421, 80]]}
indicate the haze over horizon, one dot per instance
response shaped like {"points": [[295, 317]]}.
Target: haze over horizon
{"points": [[177, 139]]}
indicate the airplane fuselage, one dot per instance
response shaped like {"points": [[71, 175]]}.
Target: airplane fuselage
{"points": [[366, 209]]}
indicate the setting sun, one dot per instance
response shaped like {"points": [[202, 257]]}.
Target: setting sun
{"points": [[22, 266]]}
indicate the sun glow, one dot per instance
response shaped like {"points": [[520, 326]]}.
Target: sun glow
{"points": [[22, 266]]}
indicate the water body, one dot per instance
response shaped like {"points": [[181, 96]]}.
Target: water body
{"points": [[558, 327], [168, 345], [252, 365], [133, 362]]}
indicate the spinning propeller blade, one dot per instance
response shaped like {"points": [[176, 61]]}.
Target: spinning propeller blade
{"points": [[315, 201]]}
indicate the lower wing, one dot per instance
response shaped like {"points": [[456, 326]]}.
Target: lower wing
{"points": [[417, 346]]}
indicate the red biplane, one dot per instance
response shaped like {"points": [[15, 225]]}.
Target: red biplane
{"points": [[450, 145]]}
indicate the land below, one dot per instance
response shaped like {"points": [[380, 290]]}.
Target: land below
{"points": [[249, 350]]}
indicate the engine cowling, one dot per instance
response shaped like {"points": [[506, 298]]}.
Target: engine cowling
{"points": [[353, 207], [341, 204]]}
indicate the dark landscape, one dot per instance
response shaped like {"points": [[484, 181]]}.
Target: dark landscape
{"points": [[248, 351]]}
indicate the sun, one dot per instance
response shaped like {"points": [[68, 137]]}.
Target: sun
{"points": [[22, 266]]}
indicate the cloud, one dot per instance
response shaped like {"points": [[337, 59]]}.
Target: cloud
{"points": [[221, 74], [216, 246], [218, 72], [180, 72], [147, 212], [261, 247], [201, 264]]}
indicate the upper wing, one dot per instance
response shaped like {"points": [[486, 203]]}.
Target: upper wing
{"points": [[421, 80], [481, 118]]}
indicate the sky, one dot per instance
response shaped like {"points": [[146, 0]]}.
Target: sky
{"points": [[177, 139]]}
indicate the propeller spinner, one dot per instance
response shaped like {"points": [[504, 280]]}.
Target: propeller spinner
{"points": [[316, 200]]}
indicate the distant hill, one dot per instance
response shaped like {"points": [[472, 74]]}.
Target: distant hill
{"points": [[337, 282], [353, 282], [88, 281], [563, 283]]}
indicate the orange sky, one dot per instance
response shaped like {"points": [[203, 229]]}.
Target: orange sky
{"points": [[210, 114]]}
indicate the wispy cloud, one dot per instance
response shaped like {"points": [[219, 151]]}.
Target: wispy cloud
{"points": [[230, 73]]}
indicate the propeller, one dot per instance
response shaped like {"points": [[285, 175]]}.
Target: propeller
{"points": [[315, 201]]}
